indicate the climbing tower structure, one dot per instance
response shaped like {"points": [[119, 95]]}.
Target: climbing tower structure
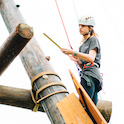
{"points": [[47, 88]]}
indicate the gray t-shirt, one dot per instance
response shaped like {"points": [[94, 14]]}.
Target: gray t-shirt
{"points": [[88, 45]]}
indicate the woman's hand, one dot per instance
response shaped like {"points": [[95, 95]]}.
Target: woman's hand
{"points": [[70, 53], [67, 51], [75, 59]]}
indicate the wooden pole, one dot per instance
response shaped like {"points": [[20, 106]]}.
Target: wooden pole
{"points": [[14, 44], [35, 62], [105, 107], [22, 98]]}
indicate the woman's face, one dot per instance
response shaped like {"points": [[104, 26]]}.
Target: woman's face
{"points": [[83, 29]]}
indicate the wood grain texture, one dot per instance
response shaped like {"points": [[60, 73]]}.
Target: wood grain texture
{"points": [[72, 111]]}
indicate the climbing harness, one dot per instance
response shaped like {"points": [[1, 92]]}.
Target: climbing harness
{"points": [[87, 79], [90, 64]]}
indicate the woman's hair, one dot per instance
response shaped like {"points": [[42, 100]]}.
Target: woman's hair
{"points": [[92, 33]]}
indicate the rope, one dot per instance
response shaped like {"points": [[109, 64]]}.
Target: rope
{"points": [[75, 9], [37, 101], [43, 73], [52, 40], [67, 34], [111, 21], [63, 24], [35, 98], [46, 86]]}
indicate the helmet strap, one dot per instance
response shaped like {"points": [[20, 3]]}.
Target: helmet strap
{"points": [[87, 33]]}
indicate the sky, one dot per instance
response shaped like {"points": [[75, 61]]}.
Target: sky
{"points": [[43, 16]]}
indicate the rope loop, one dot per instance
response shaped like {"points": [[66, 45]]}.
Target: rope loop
{"points": [[43, 73], [35, 99]]}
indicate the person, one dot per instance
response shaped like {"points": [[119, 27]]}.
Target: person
{"points": [[88, 58]]}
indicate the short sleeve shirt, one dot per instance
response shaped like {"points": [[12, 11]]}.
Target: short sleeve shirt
{"points": [[88, 45]]}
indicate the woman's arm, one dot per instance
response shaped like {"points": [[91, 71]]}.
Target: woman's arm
{"points": [[86, 57]]}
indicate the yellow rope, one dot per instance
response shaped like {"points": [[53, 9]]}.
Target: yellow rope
{"points": [[52, 40]]}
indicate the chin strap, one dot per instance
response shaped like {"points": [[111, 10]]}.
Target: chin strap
{"points": [[87, 33]]}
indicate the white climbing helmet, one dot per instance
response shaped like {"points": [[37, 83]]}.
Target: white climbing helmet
{"points": [[87, 20]]}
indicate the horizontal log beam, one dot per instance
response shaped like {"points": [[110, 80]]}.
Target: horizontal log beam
{"points": [[21, 98], [14, 44], [16, 97], [105, 107]]}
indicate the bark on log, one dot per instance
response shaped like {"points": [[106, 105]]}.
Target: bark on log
{"points": [[34, 62], [21, 98], [17, 97], [14, 44], [105, 107]]}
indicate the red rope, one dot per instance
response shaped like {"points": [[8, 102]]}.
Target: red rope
{"points": [[63, 25], [66, 34]]}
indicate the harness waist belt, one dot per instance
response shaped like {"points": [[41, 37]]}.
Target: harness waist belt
{"points": [[90, 64]]}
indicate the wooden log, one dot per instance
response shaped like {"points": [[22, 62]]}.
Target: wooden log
{"points": [[14, 44], [105, 107], [19, 97], [35, 62]]}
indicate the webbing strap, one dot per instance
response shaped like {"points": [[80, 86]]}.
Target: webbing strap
{"points": [[47, 85], [51, 95], [35, 99], [37, 105], [43, 73]]}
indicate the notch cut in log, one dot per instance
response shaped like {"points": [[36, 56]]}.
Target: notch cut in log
{"points": [[14, 44], [22, 98]]}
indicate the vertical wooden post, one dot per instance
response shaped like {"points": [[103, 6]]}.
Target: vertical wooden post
{"points": [[34, 62]]}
